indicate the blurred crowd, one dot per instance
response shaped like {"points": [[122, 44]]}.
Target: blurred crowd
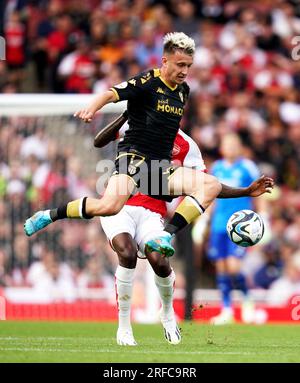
{"points": [[245, 79], [37, 170]]}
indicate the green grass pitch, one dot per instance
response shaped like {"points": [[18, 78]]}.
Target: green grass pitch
{"points": [[95, 342]]}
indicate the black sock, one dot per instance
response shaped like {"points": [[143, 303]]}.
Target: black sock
{"points": [[187, 211], [59, 213], [62, 211], [84, 213], [176, 223]]}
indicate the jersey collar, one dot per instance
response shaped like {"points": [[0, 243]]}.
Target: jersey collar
{"points": [[168, 85], [158, 74]]}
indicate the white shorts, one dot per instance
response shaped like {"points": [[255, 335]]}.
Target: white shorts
{"points": [[142, 224]]}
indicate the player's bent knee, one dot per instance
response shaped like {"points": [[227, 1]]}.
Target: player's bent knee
{"points": [[163, 271], [127, 254], [161, 265], [112, 209], [212, 185]]}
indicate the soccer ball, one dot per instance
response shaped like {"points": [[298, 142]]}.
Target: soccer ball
{"points": [[245, 228]]}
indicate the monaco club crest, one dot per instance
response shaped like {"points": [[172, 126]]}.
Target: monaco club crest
{"points": [[181, 96]]}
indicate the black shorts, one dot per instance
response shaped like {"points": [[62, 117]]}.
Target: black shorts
{"points": [[151, 177]]}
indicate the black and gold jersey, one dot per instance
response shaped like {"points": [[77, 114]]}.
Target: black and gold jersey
{"points": [[154, 110]]}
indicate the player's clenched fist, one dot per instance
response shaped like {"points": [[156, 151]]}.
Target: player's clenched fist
{"points": [[84, 115]]}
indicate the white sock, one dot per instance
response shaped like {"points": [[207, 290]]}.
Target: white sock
{"points": [[124, 282], [166, 289]]}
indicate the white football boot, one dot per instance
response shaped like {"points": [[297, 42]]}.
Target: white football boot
{"points": [[171, 330], [125, 337], [248, 311], [225, 317]]}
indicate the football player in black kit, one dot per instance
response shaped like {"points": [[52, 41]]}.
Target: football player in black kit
{"points": [[156, 101]]}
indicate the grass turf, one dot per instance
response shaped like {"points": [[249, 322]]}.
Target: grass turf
{"points": [[95, 342]]}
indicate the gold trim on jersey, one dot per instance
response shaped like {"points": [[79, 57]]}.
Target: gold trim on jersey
{"points": [[156, 72], [116, 94], [168, 85]]}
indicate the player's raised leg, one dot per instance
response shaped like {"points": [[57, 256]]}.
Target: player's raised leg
{"points": [[116, 194], [201, 189]]}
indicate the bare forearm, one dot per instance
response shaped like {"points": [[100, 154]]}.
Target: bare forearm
{"points": [[87, 114], [231, 192], [100, 101], [109, 132]]}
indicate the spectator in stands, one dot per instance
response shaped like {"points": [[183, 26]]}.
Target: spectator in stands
{"points": [[94, 276], [35, 144], [15, 37], [52, 280], [111, 52], [288, 285], [77, 69], [5, 280], [20, 261], [75, 179], [240, 116], [128, 61], [149, 49], [98, 30], [163, 20], [5, 224], [237, 80], [212, 10], [16, 202], [55, 185], [186, 20], [114, 76], [4, 73], [271, 269], [272, 76]]}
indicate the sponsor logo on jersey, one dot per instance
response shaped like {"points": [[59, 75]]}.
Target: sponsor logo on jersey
{"points": [[163, 106], [160, 90], [132, 169]]}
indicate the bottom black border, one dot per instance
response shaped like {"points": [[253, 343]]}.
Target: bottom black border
{"points": [[138, 372]]}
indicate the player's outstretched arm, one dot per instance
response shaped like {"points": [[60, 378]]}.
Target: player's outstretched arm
{"points": [[255, 189], [105, 98], [260, 186], [109, 132]]}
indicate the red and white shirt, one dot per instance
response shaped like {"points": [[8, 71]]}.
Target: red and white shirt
{"points": [[15, 43]]}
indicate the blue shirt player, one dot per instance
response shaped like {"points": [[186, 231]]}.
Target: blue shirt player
{"points": [[235, 171]]}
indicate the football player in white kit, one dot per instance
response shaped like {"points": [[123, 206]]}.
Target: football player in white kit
{"points": [[140, 220]]}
